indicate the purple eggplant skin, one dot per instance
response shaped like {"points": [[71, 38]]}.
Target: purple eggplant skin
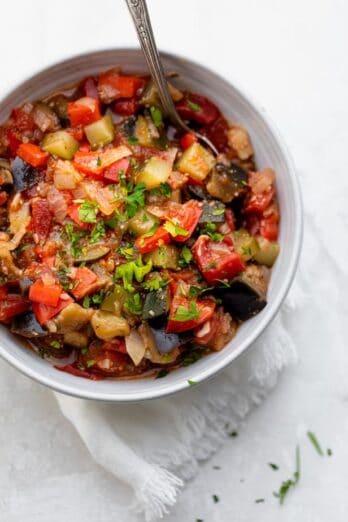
{"points": [[240, 300], [24, 175], [27, 326], [165, 342]]}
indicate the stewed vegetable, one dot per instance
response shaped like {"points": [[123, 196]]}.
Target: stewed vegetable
{"points": [[127, 247]]}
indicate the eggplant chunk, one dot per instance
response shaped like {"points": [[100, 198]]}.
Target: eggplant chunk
{"points": [[245, 296], [26, 325], [227, 182], [156, 304], [24, 176], [165, 342], [213, 212], [197, 192]]}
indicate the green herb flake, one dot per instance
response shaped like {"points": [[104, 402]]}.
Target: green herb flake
{"points": [[259, 500], [218, 211], [133, 140], [213, 264], [74, 238], [194, 106], [216, 499], [133, 269], [329, 452], [191, 382], [84, 351], [156, 116], [184, 313], [150, 232], [273, 466], [290, 483], [88, 211], [162, 373], [98, 232], [86, 301], [135, 200], [155, 282], [134, 304], [233, 434], [90, 362], [55, 344], [192, 356], [163, 190], [315, 442], [99, 162], [185, 258], [174, 230]]}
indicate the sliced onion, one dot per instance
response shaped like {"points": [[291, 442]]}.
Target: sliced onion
{"points": [[135, 347], [57, 204]]}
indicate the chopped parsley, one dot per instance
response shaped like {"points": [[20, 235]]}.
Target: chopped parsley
{"points": [[259, 500], [133, 140], [218, 211], [95, 299], [84, 351], [99, 162], [246, 251], [133, 269], [191, 382], [134, 304], [55, 344], [216, 499], [210, 230], [98, 232], [88, 211], [174, 230], [192, 356], [127, 251], [290, 483], [273, 466], [116, 219], [90, 362], [135, 200], [156, 116], [315, 442], [162, 373], [194, 106], [163, 190], [185, 257], [184, 313], [213, 264], [151, 232], [74, 238], [329, 452], [155, 282]]}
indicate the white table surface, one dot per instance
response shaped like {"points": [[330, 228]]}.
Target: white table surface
{"points": [[291, 56]]}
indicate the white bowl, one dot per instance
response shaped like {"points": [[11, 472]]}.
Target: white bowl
{"points": [[270, 151]]}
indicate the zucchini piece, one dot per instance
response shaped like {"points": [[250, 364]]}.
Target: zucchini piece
{"points": [[245, 244], [267, 251], [166, 256], [115, 300], [61, 144], [142, 132], [213, 212], [156, 304], [150, 95], [107, 325], [101, 132], [196, 161], [142, 222], [227, 182], [92, 253], [155, 171]]}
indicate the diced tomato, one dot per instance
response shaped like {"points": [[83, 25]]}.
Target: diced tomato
{"points": [[73, 213], [83, 111], [3, 197], [32, 154], [112, 172], [185, 216], [201, 310], [197, 108], [79, 135], [14, 143], [217, 133], [126, 107], [45, 294], [117, 345], [187, 139], [89, 88], [11, 305], [216, 260], [3, 292], [96, 162], [258, 203], [49, 249], [85, 282], [269, 226], [74, 370], [159, 238], [41, 218], [112, 86], [229, 216], [44, 313], [23, 121]]}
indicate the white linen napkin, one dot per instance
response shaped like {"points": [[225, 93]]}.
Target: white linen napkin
{"points": [[156, 446]]}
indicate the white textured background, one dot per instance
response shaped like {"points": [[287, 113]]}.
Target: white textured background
{"points": [[291, 56]]}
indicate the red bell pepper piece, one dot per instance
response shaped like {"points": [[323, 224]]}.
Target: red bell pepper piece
{"points": [[83, 111], [113, 172], [185, 216], [41, 218], [258, 203], [32, 154], [11, 305], [14, 143], [269, 226], [197, 108], [197, 311], [73, 370], [45, 294], [96, 162], [126, 107], [187, 139], [159, 238], [44, 313], [216, 260], [85, 279], [112, 86]]}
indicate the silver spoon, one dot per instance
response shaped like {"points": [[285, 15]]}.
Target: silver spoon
{"points": [[141, 19]]}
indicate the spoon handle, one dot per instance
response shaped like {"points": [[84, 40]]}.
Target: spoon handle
{"points": [[141, 19]]}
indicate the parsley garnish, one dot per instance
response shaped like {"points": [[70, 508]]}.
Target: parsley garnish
{"points": [[174, 230], [84, 351], [134, 304], [135, 200], [99, 162], [156, 116], [191, 357], [90, 362], [184, 313], [210, 230], [216, 499], [163, 190], [150, 232], [55, 344], [185, 258], [315, 442], [133, 140], [290, 483], [132, 269], [259, 500], [86, 301], [191, 382], [155, 282], [74, 238], [116, 219], [94, 299], [213, 264], [275, 467], [329, 452], [194, 106], [126, 251], [88, 211], [98, 232], [218, 211], [161, 373], [246, 251]]}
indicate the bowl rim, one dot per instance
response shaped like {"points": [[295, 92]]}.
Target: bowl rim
{"points": [[269, 312]]}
